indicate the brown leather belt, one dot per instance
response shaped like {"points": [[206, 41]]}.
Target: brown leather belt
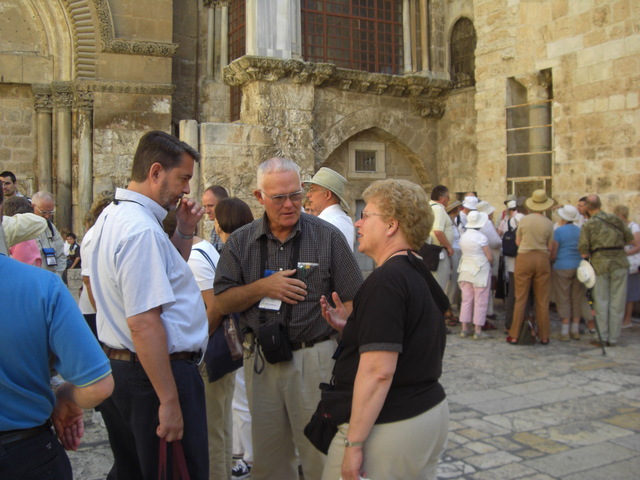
{"points": [[310, 343], [13, 436], [129, 356]]}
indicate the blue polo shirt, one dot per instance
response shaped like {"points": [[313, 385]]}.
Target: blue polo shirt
{"points": [[39, 318]]}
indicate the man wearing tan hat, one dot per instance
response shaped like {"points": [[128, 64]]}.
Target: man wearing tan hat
{"points": [[326, 201], [534, 238]]}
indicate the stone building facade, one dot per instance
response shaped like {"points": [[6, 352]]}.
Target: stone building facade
{"points": [[494, 96]]}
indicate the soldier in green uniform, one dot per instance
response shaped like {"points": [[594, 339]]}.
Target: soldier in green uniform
{"points": [[602, 239]]}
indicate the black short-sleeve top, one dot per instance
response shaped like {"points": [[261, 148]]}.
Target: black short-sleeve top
{"points": [[395, 311]]}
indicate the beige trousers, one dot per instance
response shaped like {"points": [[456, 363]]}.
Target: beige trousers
{"points": [[219, 395], [403, 450], [282, 399]]}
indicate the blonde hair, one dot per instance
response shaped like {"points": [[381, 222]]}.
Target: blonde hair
{"points": [[405, 202]]}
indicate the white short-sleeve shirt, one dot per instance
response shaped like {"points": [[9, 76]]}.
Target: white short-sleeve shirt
{"points": [[336, 216], [135, 268]]}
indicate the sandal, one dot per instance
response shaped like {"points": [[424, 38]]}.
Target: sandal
{"points": [[452, 320], [512, 341], [544, 342]]}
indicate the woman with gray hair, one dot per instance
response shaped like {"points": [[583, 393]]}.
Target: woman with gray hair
{"points": [[390, 361]]}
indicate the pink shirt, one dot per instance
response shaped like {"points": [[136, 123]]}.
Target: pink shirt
{"points": [[26, 252]]}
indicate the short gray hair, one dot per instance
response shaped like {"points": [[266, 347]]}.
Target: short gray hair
{"points": [[42, 196], [275, 165]]}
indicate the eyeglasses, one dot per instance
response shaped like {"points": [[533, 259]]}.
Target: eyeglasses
{"points": [[364, 215], [295, 197], [45, 212]]}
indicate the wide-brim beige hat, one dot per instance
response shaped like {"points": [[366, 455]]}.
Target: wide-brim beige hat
{"points": [[476, 219], [539, 201], [331, 180], [586, 274], [452, 205], [569, 213]]}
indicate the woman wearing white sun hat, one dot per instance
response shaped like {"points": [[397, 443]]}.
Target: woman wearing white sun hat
{"points": [[569, 292]]}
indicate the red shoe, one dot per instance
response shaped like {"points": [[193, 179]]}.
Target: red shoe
{"points": [[512, 341]]}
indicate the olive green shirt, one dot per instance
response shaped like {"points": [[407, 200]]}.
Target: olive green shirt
{"points": [[605, 231]]}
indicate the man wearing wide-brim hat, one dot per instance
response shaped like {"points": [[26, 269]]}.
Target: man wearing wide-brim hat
{"points": [[534, 238], [326, 200]]}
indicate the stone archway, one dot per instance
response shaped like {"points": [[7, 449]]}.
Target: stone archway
{"points": [[413, 136]]}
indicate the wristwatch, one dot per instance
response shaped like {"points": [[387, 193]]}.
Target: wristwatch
{"points": [[347, 443]]}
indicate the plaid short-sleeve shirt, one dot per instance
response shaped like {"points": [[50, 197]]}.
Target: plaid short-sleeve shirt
{"points": [[320, 242]]}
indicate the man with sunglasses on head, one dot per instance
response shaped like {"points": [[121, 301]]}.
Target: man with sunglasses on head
{"points": [[50, 241], [274, 271]]}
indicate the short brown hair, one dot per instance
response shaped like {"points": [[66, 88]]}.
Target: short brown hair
{"points": [[232, 213], [159, 147]]}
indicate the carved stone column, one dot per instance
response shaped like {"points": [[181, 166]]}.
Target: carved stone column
{"points": [[189, 134], [63, 99], [406, 36], [44, 109], [83, 104]]}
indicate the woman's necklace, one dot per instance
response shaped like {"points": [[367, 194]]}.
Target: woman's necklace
{"points": [[408, 250]]}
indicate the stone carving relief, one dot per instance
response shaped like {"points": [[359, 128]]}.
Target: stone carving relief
{"points": [[43, 100], [429, 92], [115, 45]]}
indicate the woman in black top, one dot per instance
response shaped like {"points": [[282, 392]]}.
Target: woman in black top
{"points": [[393, 344]]}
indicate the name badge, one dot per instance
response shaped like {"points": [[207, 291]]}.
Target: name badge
{"points": [[268, 303], [50, 257]]}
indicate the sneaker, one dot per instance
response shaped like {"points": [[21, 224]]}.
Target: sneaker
{"points": [[464, 334], [240, 470], [480, 336], [575, 336], [564, 338]]}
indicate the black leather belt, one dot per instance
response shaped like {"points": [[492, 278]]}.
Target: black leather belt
{"points": [[12, 436], [310, 343], [129, 356]]}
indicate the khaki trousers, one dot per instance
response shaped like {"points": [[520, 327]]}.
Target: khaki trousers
{"points": [[282, 400], [408, 449], [610, 297], [219, 395], [533, 269]]}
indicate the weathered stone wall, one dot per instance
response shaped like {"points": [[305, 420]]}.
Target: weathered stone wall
{"points": [[17, 134], [593, 51], [457, 152], [119, 121]]}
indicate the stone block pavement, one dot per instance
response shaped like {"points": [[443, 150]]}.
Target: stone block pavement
{"points": [[562, 411]]}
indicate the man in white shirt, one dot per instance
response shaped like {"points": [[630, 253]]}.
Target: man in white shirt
{"points": [[326, 201], [150, 314], [442, 233], [50, 241]]}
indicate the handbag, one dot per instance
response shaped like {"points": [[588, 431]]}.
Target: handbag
{"points": [[333, 410], [224, 349], [430, 255], [180, 471]]}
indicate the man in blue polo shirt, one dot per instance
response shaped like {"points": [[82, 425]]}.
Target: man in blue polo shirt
{"points": [[40, 322]]}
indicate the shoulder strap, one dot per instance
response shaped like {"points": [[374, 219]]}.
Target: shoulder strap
{"points": [[207, 257], [609, 223], [438, 294]]}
